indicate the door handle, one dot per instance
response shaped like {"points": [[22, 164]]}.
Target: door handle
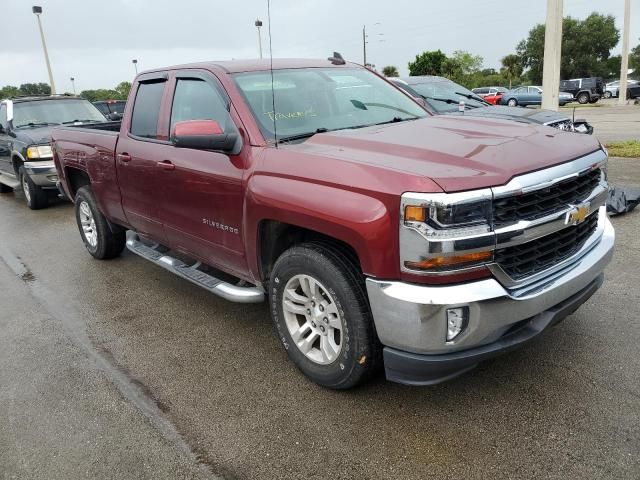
{"points": [[166, 165], [124, 157]]}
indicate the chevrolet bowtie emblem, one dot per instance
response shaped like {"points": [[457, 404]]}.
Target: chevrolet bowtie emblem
{"points": [[578, 214]]}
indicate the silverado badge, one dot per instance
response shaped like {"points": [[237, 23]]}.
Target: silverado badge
{"points": [[578, 214]]}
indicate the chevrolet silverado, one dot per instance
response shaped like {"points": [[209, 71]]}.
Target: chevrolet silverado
{"points": [[379, 234]]}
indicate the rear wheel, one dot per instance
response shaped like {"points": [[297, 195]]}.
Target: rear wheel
{"points": [[583, 98], [98, 238], [35, 196], [322, 316], [512, 102]]}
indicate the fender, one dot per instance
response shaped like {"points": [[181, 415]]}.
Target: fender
{"points": [[364, 222]]}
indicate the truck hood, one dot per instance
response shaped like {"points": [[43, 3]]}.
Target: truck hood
{"points": [[517, 114], [35, 136], [457, 152]]}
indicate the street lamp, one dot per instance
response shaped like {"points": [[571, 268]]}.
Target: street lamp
{"points": [[258, 24], [73, 84], [135, 65], [37, 11]]}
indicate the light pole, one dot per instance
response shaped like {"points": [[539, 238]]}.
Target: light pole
{"points": [[38, 10], [73, 84], [552, 53], [624, 67], [364, 42], [135, 65], [258, 24]]}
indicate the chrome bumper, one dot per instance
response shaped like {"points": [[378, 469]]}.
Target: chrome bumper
{"points": [[412, 318], [42, 173]]}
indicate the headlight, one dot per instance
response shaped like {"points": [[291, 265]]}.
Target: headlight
{"points": [[446, 232], [41, 151]]}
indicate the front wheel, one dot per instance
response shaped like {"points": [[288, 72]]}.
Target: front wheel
{"points": [[322, 316], [100, 241], [583, 98], [512, 102], [35, 196]]}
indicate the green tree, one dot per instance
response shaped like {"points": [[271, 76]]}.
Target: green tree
{"points": [[586, 47], [390, 71], [427, 63], [511, 67], [634, 58], [35, 89], [123, 89], [9, 91]]}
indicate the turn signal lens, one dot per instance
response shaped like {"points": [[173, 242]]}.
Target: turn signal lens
{"points": [[414, 214], [454, 261]]}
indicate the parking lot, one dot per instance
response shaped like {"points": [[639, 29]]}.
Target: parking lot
{"points": [[119, 369], [612, 122]]}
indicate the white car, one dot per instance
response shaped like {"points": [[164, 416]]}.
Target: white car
{"points": [[613, 89]]}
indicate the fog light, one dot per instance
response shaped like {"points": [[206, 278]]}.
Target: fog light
{"points": [[457, 319]]}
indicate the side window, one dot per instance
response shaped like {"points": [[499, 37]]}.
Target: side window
{"points": [[146, 109], [196, 99], [3, 116]]}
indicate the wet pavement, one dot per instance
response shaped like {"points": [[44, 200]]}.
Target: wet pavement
{"points": [[118, 369]]}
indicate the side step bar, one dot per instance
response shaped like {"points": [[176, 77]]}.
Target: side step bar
{"points": [[193, 274]]}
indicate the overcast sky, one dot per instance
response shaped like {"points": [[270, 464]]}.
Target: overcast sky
{"points": [[95, 40]]}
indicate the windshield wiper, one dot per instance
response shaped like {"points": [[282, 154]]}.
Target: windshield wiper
{"points": [[472, 96], [301, 136], [88, 120], [36, 124]]}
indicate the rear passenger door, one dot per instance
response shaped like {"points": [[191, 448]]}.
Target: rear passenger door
{"points": [[140, 147], [202, 194]]}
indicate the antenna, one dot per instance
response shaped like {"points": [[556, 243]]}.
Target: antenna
{"points": [[273, 90]]}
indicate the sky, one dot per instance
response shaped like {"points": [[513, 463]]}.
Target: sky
{"points": [[95, 40]]}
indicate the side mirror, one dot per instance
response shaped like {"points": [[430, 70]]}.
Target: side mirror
{"points": [[203, 135]]}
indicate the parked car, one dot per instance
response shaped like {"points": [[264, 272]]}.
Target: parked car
{"points": [[441, 96], [584, 90], [612, 89], [25, 152], [378, 233], [531, 95], [112, 109], [490, 95]]}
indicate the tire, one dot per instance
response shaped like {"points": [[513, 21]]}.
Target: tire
{"points": [[34, 195], [101, 242], [608, 94], [583, 98], [5, 189], [512, 102], [354, 351]]}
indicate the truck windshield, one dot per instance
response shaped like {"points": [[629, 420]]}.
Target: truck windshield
{"points": [[310, 100], [443, 95], [48, 112]]}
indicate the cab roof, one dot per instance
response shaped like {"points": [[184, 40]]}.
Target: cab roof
{"points": [[256, 65]]}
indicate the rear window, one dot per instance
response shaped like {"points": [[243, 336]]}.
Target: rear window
{"points": [[146, 110]]}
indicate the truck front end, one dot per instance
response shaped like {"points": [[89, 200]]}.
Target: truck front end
{"points": [[498, 266]]}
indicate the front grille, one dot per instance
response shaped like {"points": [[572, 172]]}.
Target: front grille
{"points": [[543, 202], [532, 257]]}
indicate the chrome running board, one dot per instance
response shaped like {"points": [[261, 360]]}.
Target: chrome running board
{"points": [[193, 274]]}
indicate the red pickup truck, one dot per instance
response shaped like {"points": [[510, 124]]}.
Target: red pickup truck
{"points": [[380, 235]]}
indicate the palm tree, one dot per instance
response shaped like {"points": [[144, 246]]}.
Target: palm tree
{"points": [[390, 71], [511, 67]]}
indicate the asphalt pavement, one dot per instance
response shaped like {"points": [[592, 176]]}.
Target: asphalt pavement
{"points": [[611, 122], [118, 369]]}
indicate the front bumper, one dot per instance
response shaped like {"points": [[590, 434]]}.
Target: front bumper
{"points": [[42, 173], [410, 319]]}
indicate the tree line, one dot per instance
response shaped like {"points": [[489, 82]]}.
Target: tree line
{"points": [[586, 52], [119, 92]]}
